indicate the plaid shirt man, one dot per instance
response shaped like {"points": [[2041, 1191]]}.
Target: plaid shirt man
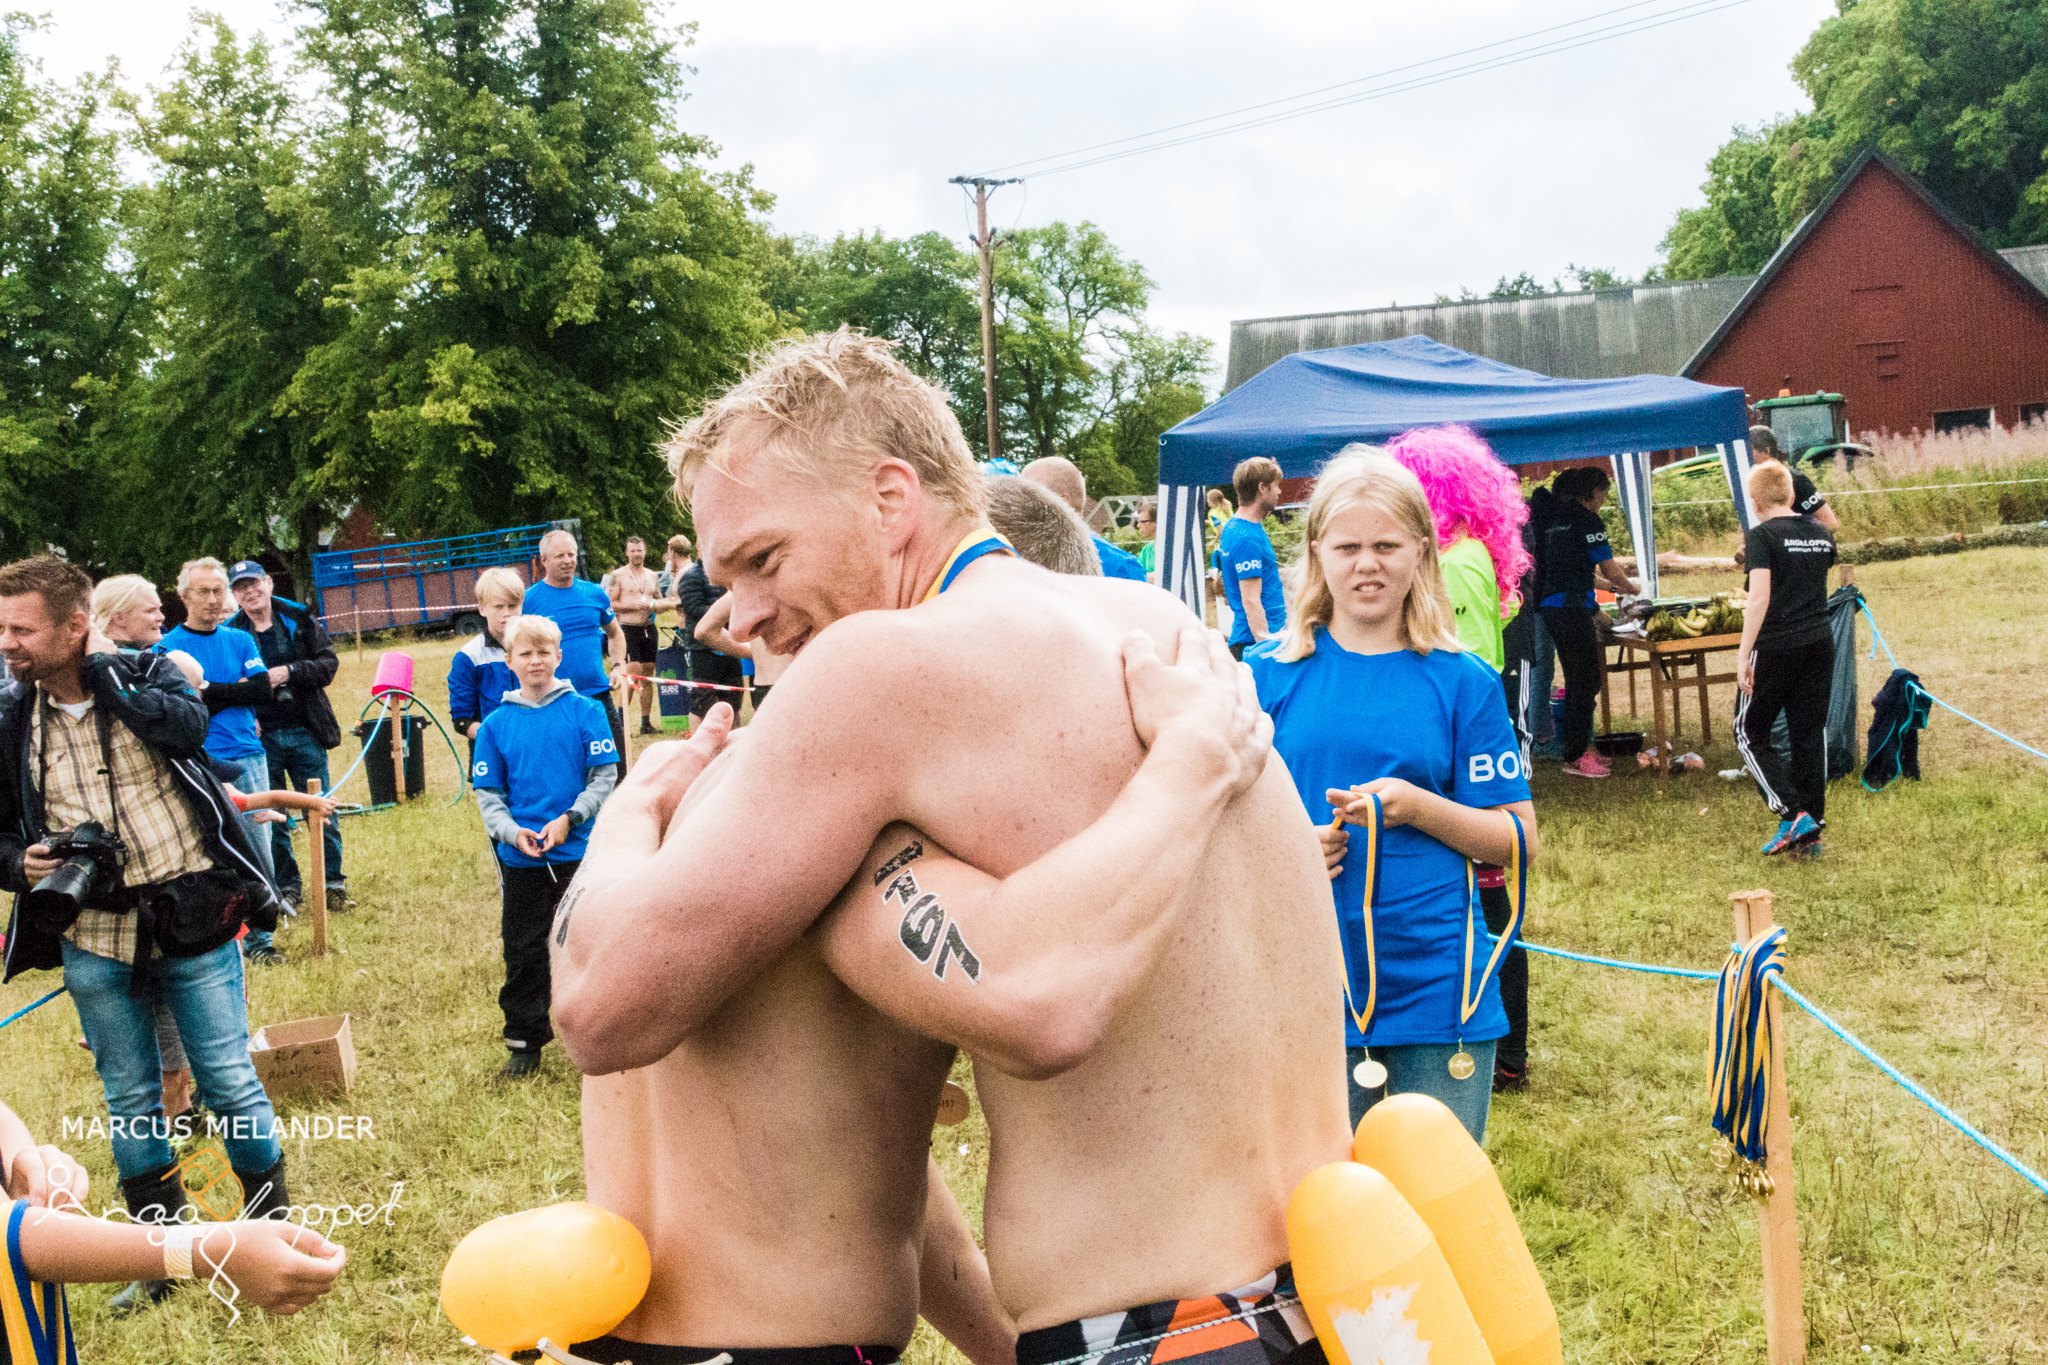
{"points": [[153, 822]]}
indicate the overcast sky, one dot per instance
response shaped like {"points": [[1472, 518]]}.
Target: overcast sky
{"points": [[854, 113]]}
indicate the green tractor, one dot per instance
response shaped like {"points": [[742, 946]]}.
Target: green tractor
{"points": [[1811, 428]]}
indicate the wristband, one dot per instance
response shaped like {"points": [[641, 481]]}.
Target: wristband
{"points": [[178, 1251]]}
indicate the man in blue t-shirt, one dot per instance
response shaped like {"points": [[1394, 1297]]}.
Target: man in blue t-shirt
{"points": [[236, 682], [545, 760], [1065, 481], [1251, 571], [591, 636]]}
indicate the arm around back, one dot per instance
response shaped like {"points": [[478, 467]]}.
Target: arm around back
{"points": [[698, 873]]}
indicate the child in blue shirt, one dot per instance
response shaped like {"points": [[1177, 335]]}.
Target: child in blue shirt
{"points": [[478, 676], [544, 763], [1372, 696]]}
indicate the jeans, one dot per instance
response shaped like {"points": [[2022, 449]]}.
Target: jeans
{"points": [[254, 778], [1424, 1068], [296, 759], [205, 996]]}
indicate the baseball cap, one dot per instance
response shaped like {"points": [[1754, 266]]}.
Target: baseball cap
{"points": [[245, 568]]}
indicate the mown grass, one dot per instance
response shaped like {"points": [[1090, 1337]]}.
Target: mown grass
{"points": [[1926, 930]]}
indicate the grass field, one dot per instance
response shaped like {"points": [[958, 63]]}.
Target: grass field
{"points": [[1926, 930]]}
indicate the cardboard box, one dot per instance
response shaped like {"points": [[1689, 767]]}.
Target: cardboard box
{"points": [[304, 1056]]}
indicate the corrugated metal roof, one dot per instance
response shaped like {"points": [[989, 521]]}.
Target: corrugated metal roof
{"points": [[1598, 334]]}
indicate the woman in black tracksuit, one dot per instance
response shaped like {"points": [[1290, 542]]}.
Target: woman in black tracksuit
{"points": [[1575, 554], [1787, 661]]}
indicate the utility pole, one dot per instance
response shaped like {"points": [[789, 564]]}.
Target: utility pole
{"points": [[985, 243]]}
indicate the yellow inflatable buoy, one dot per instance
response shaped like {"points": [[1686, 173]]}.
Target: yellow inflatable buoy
{"points": [[1371, 1279], [567, 1272], [1418, 1144]]}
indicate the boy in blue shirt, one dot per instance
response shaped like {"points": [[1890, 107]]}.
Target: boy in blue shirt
{"points": [[1251, 571], [544, 763], [478, 676]]}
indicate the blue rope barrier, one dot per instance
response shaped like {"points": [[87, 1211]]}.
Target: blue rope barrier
{"points": [[31, 1007], [1877, 642], [1911, 1087], [1861, 1048]]}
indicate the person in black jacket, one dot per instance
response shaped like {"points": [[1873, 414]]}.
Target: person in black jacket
{"points": [[298, 723], [1575, 554], [694, 595], [89, 733]]}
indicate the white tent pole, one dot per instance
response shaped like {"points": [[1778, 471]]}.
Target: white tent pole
{"points": [[1179, 542], [1735, 462], [1632, 475]]}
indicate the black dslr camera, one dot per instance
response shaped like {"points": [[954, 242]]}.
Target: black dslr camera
{"points": [[90, 874]]}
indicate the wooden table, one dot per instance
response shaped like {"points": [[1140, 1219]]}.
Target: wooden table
{"points": [[1663, 663]]}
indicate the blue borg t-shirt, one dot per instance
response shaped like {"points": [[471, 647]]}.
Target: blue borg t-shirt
{"points": [[1437, 720], [582, 610], [540, 757], [1118, 562], [225, 655], [1247, 551]]}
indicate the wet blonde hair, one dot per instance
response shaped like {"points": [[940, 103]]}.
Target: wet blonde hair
{"points": [[123, 592], [828, 408], [1361, 475]]}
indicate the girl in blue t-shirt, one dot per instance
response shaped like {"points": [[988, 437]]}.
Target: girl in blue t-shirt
{"points": [[1371, 697]]}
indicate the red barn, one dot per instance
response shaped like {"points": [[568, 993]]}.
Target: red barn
{"points": [[1886, 298]]}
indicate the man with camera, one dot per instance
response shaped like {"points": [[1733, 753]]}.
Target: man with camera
{"points": [[132, 873]]}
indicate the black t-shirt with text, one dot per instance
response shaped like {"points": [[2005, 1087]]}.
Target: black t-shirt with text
{"points": [[1806, 499], [1799, 552]]}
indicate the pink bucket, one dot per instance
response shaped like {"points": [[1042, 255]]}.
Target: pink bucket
{"points": [[394, 673]]}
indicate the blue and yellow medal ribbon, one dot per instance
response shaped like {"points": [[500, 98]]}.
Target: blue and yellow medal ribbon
{"points": [[35, 1321], [1364, 954], [976, 543], [1742, 1052], [1469, 998]]}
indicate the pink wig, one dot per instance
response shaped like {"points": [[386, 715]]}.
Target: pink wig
{"points": [[1472, 494]]}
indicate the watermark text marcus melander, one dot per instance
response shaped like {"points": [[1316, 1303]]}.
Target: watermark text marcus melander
{"points": [[319, 1127]]}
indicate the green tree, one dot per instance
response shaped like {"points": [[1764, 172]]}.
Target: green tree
{"points": [[1062, 293], [69, 324], [1956, 91], [566, 272], [209, 455], [1154, 381]]}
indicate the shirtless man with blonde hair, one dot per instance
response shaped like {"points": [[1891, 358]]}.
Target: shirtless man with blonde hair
{"points": [[1152, 1097]]}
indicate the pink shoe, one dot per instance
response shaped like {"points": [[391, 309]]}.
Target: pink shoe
{"points": [[1588, 765]]}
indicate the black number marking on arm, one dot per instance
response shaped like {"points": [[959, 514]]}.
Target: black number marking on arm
{"points": [[957, 949], [899, 860]]}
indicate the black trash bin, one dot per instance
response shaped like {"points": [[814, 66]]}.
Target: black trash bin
{"points": [[377, 763]]}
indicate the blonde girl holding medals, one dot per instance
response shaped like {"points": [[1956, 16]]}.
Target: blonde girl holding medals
{"points": [[1390, 728]]}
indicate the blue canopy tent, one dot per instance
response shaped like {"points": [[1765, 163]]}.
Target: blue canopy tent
{"points": [[1305, 407]]}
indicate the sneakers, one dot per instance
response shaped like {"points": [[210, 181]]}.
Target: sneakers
{"points": [[263, 954], [1548, 748], [521, 1066], [647, 728], [139, 1294], [1588, 764], [339, 900], [1800, 829]]}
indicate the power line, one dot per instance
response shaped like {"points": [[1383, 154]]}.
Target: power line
{"points": [[1693, 10], [1325, 89]]}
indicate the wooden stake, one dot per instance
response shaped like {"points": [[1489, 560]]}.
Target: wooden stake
{"points": [[316, 859], [1777, 1216], [397, 716]]}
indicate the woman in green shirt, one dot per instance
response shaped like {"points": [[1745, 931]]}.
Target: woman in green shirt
{"points": [[1477, 502]]}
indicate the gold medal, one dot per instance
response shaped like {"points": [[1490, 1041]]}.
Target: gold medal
{"points": [[953, 1105], [1369, 1074], [1461, 1065]]}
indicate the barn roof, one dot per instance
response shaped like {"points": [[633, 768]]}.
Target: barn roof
{"points": [[1870, 161], [1663, 328]]}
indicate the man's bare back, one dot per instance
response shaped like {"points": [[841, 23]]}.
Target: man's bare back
{"points": [[1160, 1165]]}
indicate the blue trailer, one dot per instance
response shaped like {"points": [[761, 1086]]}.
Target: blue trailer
{"points": [[421, 582]]}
